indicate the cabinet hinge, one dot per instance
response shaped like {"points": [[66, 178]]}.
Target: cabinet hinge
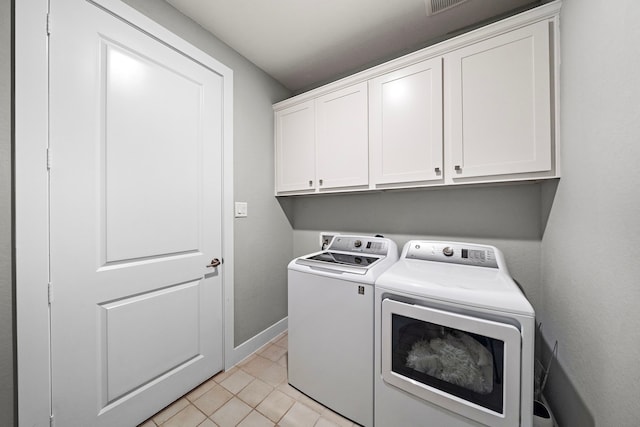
{"points": [[52, 422], [48, 24], [50, 293], [48, 159]]}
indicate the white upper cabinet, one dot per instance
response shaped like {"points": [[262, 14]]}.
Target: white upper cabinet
{"points": [[405, 125], [481, 107], [342, 144], [322, 144], [498, 105], [295, 148]]}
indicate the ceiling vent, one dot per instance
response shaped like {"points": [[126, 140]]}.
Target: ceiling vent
{"points": [[437, 6]]}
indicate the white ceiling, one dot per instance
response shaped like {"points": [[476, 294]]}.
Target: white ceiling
{"points": [[302, 43]]}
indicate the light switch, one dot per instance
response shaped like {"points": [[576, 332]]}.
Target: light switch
{"points": [[241, 209]]}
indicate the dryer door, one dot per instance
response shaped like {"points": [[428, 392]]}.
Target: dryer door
{"points": [[468, 365]]}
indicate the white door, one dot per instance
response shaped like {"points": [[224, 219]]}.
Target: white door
{"points": [[342, 141], [135, 218], [405, 124]]}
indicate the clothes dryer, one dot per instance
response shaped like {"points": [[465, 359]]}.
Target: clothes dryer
{"points": [[454, 340]]}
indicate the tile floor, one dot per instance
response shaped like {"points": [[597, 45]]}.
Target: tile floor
{"points": [[253, 393]]}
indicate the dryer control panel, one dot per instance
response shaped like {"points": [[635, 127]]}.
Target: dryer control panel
{"points": [[451, 252]]}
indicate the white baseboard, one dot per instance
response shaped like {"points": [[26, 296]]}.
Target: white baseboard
{"points": [[248, 347]]}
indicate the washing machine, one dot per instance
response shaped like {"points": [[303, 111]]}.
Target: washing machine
{"points": [[331, 312], [454, 340]]}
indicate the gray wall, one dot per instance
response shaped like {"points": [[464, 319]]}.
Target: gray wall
{"points": [[590, 248], [7, 401], [260, 281]]}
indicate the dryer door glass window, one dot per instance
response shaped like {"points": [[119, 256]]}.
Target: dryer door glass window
{"points": [[461, 363], [466, 364]]}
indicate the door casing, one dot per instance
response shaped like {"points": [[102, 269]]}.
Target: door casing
{"points": [[31, 195]]}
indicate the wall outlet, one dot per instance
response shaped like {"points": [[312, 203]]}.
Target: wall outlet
{"points": [[325, 238]]}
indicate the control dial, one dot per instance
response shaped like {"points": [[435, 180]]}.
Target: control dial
{"points": [[448, 251], [357, 243]]}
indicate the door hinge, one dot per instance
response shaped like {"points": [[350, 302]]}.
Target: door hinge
{"points": [[50, 293], [48, 24], [48, 159]]}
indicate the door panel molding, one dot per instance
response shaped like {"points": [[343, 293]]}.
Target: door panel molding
{"points": [[168, 336]]}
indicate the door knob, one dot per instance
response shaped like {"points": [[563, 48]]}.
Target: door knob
{"points": [[214, 263]]}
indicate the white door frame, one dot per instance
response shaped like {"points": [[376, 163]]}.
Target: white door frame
{"points": [[31, 195]]}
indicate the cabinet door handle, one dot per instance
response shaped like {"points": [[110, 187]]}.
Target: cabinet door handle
{"points": [[320, 182], [458, 168], [437, 170], [310, 183]]}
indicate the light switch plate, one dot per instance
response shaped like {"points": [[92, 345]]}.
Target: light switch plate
{"points": [[241, 209]]}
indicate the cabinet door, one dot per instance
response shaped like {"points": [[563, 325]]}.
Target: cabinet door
{"points": [[342, 138], [405, 126], [498, 95], [295, 148]]}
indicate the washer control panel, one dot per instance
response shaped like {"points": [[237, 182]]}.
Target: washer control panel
{"points": [[457, 253], [362, 244]]}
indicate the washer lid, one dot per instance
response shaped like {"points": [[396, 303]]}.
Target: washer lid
{"points": [[360, 258], [474, 286], [354, 263]]}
